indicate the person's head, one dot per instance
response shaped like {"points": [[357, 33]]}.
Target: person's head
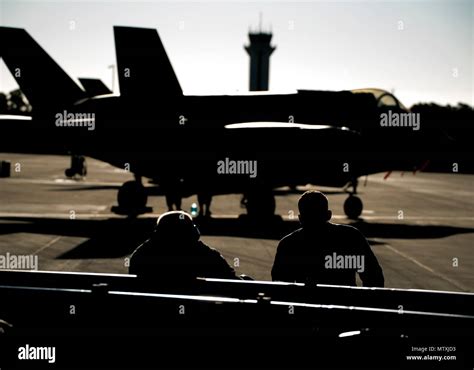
{"points": [[176, 226], [314, 209]]}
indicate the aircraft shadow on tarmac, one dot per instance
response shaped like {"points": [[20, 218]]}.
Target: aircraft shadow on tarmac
{"points": [[116, 237]]}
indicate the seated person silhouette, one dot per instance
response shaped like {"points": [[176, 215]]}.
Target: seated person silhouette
{"points": [[174, 254], [325, 253]]}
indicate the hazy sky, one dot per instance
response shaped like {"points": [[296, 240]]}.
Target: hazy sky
{"points": [[423, 50]]}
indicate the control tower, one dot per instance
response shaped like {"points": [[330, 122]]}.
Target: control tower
{"points": [[259, 51]]}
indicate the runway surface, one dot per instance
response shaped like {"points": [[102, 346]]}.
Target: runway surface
{"points": [[421, 227]]}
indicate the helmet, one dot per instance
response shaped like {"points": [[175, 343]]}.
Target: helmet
{"points": [[177, 225]]}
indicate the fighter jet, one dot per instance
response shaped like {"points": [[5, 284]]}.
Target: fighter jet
{"points": [[248, 144]]}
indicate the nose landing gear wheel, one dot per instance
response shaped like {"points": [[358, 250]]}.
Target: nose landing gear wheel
{"points": [[353, 207]]}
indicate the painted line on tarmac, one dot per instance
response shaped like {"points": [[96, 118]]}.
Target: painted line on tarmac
{"points": [[427, 268], [47, 245]]}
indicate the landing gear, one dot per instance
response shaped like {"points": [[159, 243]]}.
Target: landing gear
{"points": [[78, 166], [260, 203], [353, 205], [132, 199]]}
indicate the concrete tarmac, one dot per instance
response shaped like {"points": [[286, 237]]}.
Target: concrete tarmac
{"points": [[421, 227]]}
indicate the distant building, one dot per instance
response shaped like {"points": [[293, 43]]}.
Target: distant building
{"points": [[259, 51]]}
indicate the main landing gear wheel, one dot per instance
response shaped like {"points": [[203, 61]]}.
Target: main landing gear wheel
{"points": [[132, 197], [353, 207]]}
